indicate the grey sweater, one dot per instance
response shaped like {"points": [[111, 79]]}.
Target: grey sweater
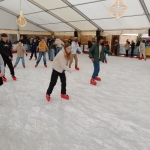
{"points": [[1, 65]]}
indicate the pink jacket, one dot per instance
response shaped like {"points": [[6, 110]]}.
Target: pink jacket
{"points": [[60, 63]]}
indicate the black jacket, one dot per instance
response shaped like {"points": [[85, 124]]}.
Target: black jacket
{"points": [[5, 50], [133, 45], [34, 46]]}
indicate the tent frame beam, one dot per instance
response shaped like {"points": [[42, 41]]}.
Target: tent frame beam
{"points": [[81, 14], [54, 15], [10, 12], [145, 9]]}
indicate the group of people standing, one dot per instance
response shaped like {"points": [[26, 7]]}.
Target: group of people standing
{"points": [[140, 45]]}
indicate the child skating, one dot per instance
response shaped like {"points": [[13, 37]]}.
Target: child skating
{"points": [[34, 46], [42, 52], [20, 54]]}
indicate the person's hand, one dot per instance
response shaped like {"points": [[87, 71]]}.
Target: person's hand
{"points": [[1, 74], [92, 59], [113, 54]]}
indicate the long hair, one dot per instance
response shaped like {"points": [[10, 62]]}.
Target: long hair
{"points": [[67, 55]]}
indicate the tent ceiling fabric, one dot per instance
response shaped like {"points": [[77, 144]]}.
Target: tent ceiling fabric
{"points": [[56, 15]]}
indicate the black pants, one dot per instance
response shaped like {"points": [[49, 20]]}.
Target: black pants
{"points": [[53, 82], [1, 81], [132, 51], [127, 53], [33, 52], [10, 66]]}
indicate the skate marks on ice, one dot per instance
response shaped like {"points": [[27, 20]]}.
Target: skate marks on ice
{"points": [[114, 115]]}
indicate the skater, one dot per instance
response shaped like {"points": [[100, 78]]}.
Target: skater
{"points": [[1, 70], [7, 56], [107, 47], [20, 54], [59, 66], [42, 52], [132, 48], [138, 49], [59, 45], [90, 44], [74, 49], [34, 46], [96, 54], [127, 47], [142, 50], [51, 51]]}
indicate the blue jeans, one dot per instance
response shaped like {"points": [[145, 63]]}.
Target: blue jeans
{"points": [[18, 59], [29, 47], [58, 49], [26, 46], [40, 56], [105, 56], [51, 54], [96, 69]]}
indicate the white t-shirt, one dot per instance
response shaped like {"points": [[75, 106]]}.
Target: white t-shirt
{"points": [[100, 49]]}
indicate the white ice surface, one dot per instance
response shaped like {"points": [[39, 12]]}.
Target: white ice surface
{"points": [[114, 115]]}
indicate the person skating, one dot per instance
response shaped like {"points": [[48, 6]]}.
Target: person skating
{"points": [[59, 66], [20, 54], [1, 70], [42, 52], [74, 48], [142, 50], [59, 45], [96, 54], [132, 48], [107, 47], [34, 46], [127, 47], [51, 51], [7, 56]]}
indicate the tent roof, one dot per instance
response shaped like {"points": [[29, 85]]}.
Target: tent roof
{"points": [[81, 15]]}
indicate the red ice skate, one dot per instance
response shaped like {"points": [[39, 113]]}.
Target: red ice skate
{"points": [[30, 58], [98, 79], [36, 65], [48, 97], [14, 67], [140, 58], [76, 68], [45, 66], [93, 82], [64, 96], [106, 61], [4, 79], [14, 78], [24, 66], [35, 58]]}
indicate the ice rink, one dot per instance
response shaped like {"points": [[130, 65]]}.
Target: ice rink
{"points": [[114, 115]]}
